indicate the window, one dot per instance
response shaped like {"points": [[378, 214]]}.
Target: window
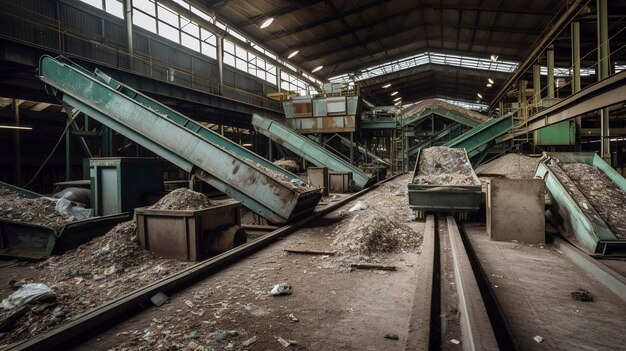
{"points": [[169, 32], [144, 21], [146, 6], [95, 3], [114, 7]]}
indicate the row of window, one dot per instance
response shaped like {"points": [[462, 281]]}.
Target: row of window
{"points": [[158, 19]]}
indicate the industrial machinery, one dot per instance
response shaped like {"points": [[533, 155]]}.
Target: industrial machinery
{"points": [[264, 188], [572, 212], [310, 150]]}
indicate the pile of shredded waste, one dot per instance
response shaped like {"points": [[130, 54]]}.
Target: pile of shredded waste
{"points": [[99, 271], [512, 166], [41, 211], [441, 165], [183, 199], [436, 103], [289, 165], [604, 195]]}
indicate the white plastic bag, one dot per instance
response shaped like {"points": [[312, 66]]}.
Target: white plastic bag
{"points": [[358, 207], [26, 294]]}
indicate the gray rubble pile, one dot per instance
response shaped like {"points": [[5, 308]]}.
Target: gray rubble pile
{"points": [[39, 211], [436, 103], [183, 199], [289, 165], [442, 165], [605, 196], [103, 269], [512, 166], [368, 233]]}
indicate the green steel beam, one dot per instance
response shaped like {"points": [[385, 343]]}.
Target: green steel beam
{"points": [[216, 160], [430, 141], [477, 139]]}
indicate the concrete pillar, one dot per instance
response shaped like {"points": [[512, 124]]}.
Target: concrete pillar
{"points": [[550, 58], [523, 104], [603, 72], [17, 170], [128, 20], [537, 85], [220, 63]]}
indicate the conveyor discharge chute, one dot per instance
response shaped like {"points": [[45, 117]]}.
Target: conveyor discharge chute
{"points": [[309, 150], [482, 137], [264, 188], [588, 201]]}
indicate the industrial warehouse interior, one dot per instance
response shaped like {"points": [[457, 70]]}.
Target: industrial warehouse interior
{"points": [[312, 175]]}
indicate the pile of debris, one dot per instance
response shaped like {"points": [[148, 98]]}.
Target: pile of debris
{"points": [[512, 166], [442, 165], [295, 184], [436, 103], [99, 271], [367, 233], [41, 211], [604, 195], [183, 199]]}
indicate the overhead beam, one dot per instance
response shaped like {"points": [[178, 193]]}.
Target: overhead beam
{"points": [[562, 20]]}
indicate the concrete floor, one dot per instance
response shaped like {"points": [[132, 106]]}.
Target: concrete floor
{"points": [[533, 285]]}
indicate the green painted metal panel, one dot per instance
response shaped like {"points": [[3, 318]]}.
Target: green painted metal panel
{"points": [[589, 232], [430, 141], [309, 150], [225, 165], [475, 140], [563, 133]]}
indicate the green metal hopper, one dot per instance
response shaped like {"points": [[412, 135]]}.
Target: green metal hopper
{"points": [[482, 137]]}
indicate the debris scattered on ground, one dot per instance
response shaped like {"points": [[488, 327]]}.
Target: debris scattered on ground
{"points": [[285, 343], [183, 199], [373, 266], [442, 165], [358, 207], [293, 318], [538, 339], [436, 103], [392, 337], [281, 289], [582, 295], [289, 165], [455, 341], [366, 233], [250, 341], [159, 299], [605, 197], [26, 294], [99, 271], [512, 166], [41, 211]]}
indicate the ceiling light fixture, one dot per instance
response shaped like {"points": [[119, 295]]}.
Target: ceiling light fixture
{"points": [[479, 96], [494, 57], [267, 22], [293, 54], [489, 85], [386, 85], [394, 93], [490, 80], [15, 127], [398, 98], [317, 69]]}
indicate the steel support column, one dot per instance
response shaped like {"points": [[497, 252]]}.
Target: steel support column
{"points": [[537, 85], [351, 148], [550, 58], [18, 145], [68, 155], [278, 71], [220, 63], [603, 72], [128, 20]]}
